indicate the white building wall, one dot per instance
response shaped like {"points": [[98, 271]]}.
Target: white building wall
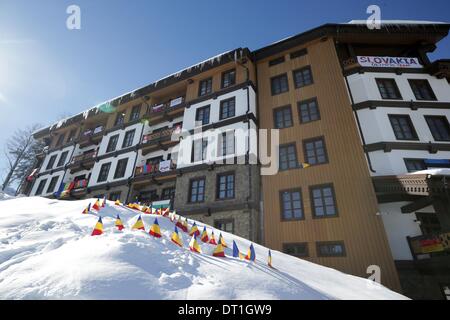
{"points": [[58, 156], [121, 132], [129, 171], [49, 177]]}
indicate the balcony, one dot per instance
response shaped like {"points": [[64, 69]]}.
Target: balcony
{"points": [[83, 161], [91, 136], [162, 170], [159, 140], [75, 189], [166, 111]]}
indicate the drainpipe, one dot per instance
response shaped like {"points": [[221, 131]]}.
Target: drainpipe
{"points": [[358, 122]]}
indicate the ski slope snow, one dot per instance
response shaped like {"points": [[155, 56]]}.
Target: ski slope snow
{"points": [[47, 252]]}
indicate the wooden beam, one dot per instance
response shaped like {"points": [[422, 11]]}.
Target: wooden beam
{"points": [[417, 205]]}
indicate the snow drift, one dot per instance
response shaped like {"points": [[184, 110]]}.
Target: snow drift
{"points": [[47, 252]]}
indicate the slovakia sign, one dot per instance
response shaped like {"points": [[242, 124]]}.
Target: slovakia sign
{"points": [[389, 62], [164, 166]]}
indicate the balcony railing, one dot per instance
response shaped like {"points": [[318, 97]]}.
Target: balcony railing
{"points": [[86, 156], [161, 107], [160, 135], [87, 134], [160, 167]]}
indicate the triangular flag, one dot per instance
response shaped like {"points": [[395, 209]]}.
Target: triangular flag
{"points": [[117, 203], [179, 224], [104, 202], [204, 237], [251, 253], [155, 230], [212, 240], [87, 209], [194, 230], [236, 252], [269, 259], [96, 205], [139, 225], [98, 229], [184, 227], [219, 252], [193, 245], [165, 212], [119, 223], [222, 240], [176, 237]]}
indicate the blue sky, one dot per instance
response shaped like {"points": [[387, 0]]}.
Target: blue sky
{"points": [[48, 72]]}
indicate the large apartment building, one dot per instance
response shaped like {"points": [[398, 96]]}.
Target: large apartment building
{"points": [[357, 111]]}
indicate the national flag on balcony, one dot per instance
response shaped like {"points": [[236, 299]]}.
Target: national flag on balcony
{"points": [[119, 225], [218, 251], [222, 241], [155, 230], [194, 230], [204, 237], [269, 259], [97, 205], [212, 240], [176, 237], [251, 256], [139, 224], [98, 229], [87, 209], [236, 252], [194, 246]]}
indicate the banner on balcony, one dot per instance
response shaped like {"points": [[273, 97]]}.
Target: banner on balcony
{"points": [[164, 166], [389, 62], [430, 243]]}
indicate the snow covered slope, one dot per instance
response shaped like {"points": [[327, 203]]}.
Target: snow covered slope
{"points": [[47, 252]]}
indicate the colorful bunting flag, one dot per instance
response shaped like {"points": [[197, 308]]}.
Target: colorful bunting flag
{"points": [[139, 225], [236, 252], [269, 259], [119, 223], [155, 230], [194, 246], [87, 209], [194, 230], [98, 229], [204, 237], [117, 202], [184, 227], [222, 240], [96, 205], [104, 202], [176, 237], [251, 256], [212, 240], [219, 252]]}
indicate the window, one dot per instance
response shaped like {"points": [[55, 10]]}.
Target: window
{"points": [[62, 159], [291, 204], [135, 112], [388, 89], [104, 171], [315, 151], [226, 143], [225, 186], [112, 143], [199, 148], [228, 78], [114, 196], [121, 168], [299, 53], [71, 136], [128, 139], [422, 89], [120, 119], [403, 127], [276, 61], [282, 117], [205, 87], [147, 196], [60, 140], [415, 164], [439, 127], [51, 162], [226, 225], [52, 185], [429, 222], [330, 249], [296, 249], [323, 201], [303, 77], [308, 110], [202, 115], [279, 84], [288, 157], [40, 187], [168, 193], [197, 190], [227, 108]]}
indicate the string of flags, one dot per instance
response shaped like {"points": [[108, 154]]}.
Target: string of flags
{"points": [[179, 223]]}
